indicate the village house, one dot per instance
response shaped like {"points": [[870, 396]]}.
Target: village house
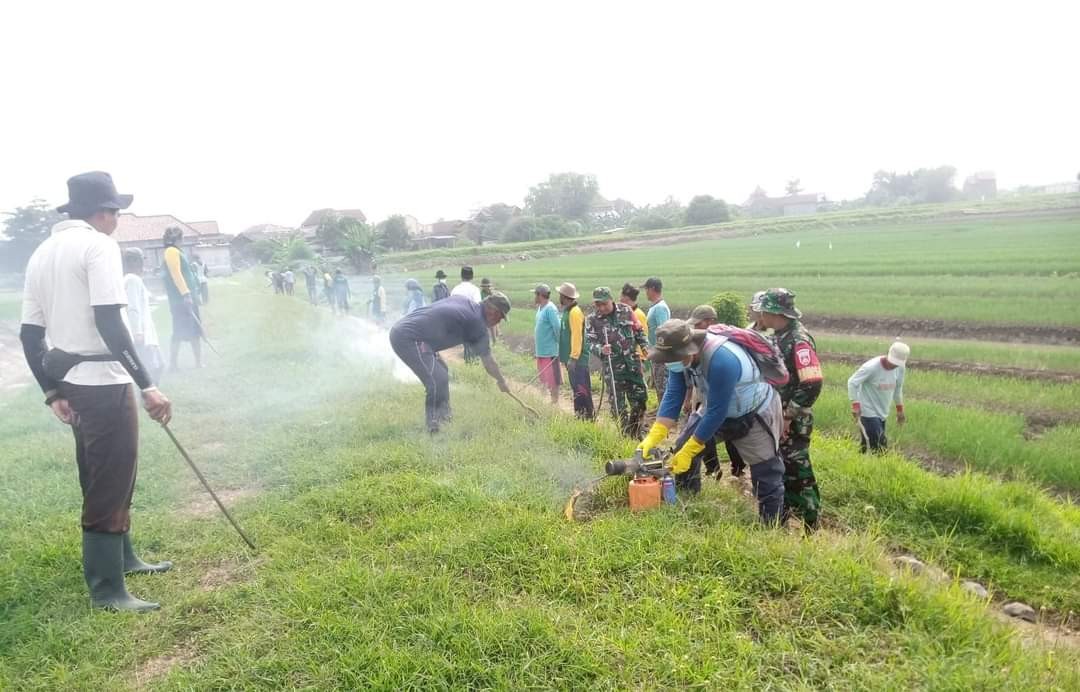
{"points": [[202, 239], [980, 186]]}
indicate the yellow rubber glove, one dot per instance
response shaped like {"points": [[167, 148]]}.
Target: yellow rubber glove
{"points": [[656, 435], [680, 463]]}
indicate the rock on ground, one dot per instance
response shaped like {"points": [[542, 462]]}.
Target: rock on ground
{"points": [[1020, 610], [975, 588]]}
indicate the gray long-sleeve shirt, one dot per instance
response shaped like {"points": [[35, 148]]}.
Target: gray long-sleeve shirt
{"points": [[874, 387]]}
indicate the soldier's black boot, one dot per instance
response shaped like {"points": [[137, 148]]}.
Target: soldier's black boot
{"points": [[134, 565], [103, 567]]}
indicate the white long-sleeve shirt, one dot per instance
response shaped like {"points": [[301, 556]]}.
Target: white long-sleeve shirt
{"points": [[874, 387], [140, 321]]}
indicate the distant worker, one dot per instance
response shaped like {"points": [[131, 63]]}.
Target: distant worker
{"points": [[140, 321], [278, 279], [467, 288], [418, 337], [290, 281], [659, 312], [310, 273], [874, 385], [486, 289], [81, 354], [616, 338], [574, 350], [202, 274], [739, 405], [629, 296], [778, 312], [471, 291], [414, 297], [440, 290], [546, 335], [180, 285], [377, 302], [342, 292]]}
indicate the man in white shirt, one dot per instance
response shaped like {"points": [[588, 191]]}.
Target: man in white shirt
{"points": [[467, 288], [74, 297], [140, 321], [877, 382], [471, 291]]}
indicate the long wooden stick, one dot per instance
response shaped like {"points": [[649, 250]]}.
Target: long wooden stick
{"points": [[525, 406], [205, 484]]}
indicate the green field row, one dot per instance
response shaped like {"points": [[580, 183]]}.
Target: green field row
{"points": [[1015, 271], [389, 559]]}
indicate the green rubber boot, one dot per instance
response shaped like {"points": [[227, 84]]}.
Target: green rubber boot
{"points": [[134, 565], [103, 567]]}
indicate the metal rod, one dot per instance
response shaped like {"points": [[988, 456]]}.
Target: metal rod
{"points": [[541, 372], [617, 412], [205, 484], [202, 332]]}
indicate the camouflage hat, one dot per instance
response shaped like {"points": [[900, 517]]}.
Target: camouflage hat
{"points": [[755, 302], [485, 281], [499, 301], [703, 312], [780, 301], [674, 341], [601, 294]]}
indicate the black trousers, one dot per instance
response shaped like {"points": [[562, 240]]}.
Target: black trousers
{"points": [[106, 451], [432, 372]]}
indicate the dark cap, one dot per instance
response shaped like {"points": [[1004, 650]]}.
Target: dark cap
{"points": [[440, 274], [654, 283], [89, 192], [674, 341], [466, 273], [499, 301]]}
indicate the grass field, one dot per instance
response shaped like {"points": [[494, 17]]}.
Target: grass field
{"points": [[1010, 271], [391, 560]]}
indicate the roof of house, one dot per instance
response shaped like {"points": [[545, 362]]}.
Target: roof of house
{"points": [[264, 230], [205, 227], [445, 227], [319, 215], [132, 228]]}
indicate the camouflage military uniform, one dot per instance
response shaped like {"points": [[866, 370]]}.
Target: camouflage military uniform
{"points": [[627, 395], [801, 496]]}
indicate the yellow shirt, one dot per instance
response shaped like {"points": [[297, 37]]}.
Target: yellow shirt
{"points": [[577, 332], [172, 261], [644, 322]]}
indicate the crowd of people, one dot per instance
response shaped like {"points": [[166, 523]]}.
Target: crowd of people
{"points": [[90, 341], [751, 389]]}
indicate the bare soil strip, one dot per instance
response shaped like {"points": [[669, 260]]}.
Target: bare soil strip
{"points": [[968, 368], [945, 329]]}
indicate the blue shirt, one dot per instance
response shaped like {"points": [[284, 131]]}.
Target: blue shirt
{"points": [[546, 335], [657, 315], [724, 372]]}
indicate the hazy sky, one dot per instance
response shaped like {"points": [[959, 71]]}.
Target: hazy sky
{"points": [[251, 112]]}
